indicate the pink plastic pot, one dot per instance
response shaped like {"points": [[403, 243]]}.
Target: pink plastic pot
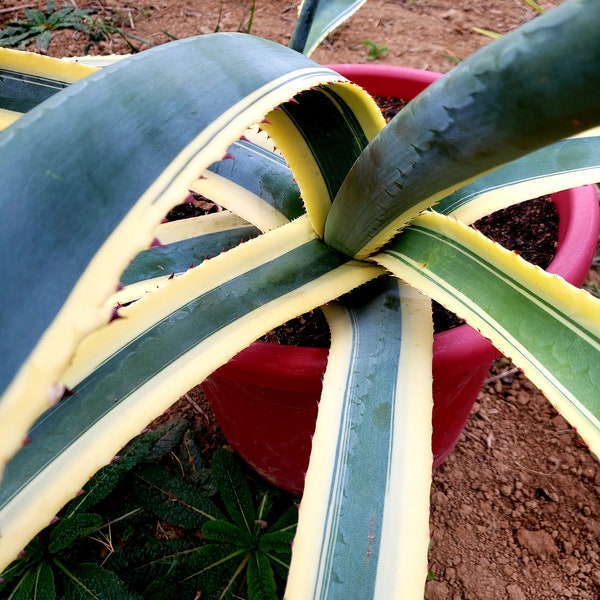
{"points": [[266, 398]]}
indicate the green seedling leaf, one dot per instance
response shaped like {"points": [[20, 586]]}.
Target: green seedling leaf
{"points": [[15, 570], [374, 51], [278, 541], [226, 532], [214, 568], [234, 490], [86, 582], [37, 582], [33, 553], [286, 523], [72, 528], [165, 439], [149, 561], [264, 505], [33, 17], [261, 584], [151, 445], [191, 458], [39, 26], [280, 566], [60, 17], [43, 39], [12, 36], [171, 498]]}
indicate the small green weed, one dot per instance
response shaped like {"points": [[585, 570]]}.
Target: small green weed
{"points": [[373, 50], [453, 59], [157, 523], [98, 29], [250, 21], [39, 26], [247, 19], [494, 34], [591, 286], [534, 5], [430, 571], [245, 537], [487, 32]]}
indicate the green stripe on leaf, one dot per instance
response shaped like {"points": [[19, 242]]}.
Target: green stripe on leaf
{"points": [[546, 326], [565, 164], [353, 491]]}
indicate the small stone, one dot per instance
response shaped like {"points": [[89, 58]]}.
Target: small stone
{"points": [[514, 592], [585, 570], [571, 565], [450, 574], [436, 590], [560, 424], [537, 543], [450, 14], [439, 498]]}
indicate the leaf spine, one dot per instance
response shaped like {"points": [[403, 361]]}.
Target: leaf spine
{"points": [[115, 313], [55, 393]]}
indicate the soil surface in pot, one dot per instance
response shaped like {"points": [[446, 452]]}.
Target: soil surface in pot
{"points": [[529, 228], [516, 508]]}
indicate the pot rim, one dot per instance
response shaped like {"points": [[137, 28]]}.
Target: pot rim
{"points": [[578, 227], [579, 223]]}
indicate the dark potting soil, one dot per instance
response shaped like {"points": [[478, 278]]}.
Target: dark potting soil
{"points": [[529, 228], [196, 206]]}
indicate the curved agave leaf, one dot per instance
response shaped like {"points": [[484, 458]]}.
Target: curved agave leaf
{"points": [[335, 130], [196, 240], [123, 375], [317, 19], [128, 372], [259, 171], [158, 352], [546, 326], [109, 205], [520, 93], [28, 79], [565, 164], [367, 487], [254, 182]]}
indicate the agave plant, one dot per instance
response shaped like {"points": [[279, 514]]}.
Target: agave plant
{"points": [[317, 19], [110, 314]]}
